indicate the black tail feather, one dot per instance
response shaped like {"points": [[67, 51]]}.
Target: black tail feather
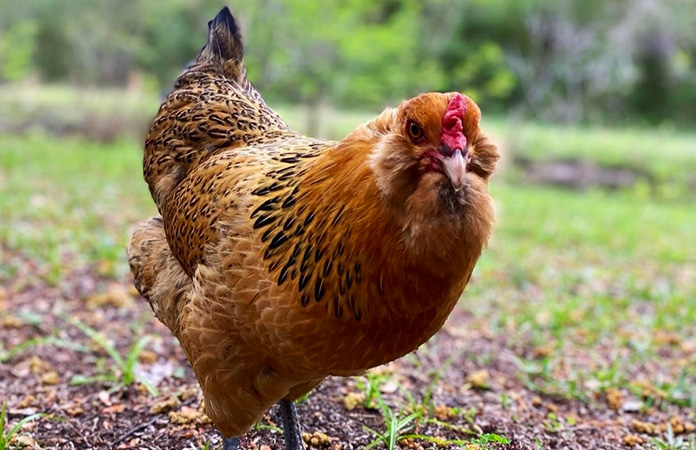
{"points": [[224, 39]]}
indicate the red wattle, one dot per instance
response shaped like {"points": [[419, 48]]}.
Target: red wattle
{"points": [[452, 124]]}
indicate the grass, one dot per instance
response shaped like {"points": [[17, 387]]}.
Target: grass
{"points": [[662, 155], [672, 442], [123, 372], [6, 432], [577, 274], [57, 208], [398, 425]]}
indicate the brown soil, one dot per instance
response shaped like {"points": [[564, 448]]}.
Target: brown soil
{"points": [[95, 417]]}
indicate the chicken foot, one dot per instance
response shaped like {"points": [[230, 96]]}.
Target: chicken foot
{"points": [[230, 443]]}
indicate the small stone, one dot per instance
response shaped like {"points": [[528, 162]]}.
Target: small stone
{"points": [[631, 406], [104, 397], [389, 387]]}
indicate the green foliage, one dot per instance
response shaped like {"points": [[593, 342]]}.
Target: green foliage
{"points": [[425, 408], [6, 355], [369, 384], [672, 442], [396, 423], [16, 50], [570, 61], [123, 372], [7, 434]]}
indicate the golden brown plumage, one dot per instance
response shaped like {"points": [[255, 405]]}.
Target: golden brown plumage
{"points": [[282, 259]]}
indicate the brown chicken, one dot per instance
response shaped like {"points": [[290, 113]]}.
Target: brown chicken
{"points": [[282, 259]]}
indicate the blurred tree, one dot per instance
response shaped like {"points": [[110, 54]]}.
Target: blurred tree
{"points": [[568, 60], [17, 44]]}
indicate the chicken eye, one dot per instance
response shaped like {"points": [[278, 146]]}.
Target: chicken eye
{"points": [[415, 131]]}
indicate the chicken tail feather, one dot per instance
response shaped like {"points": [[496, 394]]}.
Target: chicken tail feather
{"points": [[224, 47], [157, 274]]}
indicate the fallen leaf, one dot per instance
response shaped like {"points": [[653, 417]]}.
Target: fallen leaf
{"points": [[114, 409], [104, 397]]}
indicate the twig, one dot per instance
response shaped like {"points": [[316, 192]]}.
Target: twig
{"points": [[133, 431]]}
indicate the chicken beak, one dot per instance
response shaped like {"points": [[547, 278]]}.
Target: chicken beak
{"points": [[455, 169]]}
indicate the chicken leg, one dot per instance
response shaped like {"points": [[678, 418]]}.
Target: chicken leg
{"points": [[230, 443], [291, 426], [291, 429]]}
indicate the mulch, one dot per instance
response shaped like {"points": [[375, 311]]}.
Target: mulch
{"points": [[480, 390]]}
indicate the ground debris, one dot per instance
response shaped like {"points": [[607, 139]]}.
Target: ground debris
{"points": [[50, 378], [478, 379], [614, 399], [317, 439], [168, 404], [654, 429], [632, 439], [353, 399]]}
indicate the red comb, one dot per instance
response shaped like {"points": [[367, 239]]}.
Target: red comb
{"points": [[453, 124]]}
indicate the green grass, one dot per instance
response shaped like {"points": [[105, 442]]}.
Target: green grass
{"points": [[7, 432], [122, 371], [586, 275], [67, 202], [665, 160]]}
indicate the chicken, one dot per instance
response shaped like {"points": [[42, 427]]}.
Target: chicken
{"points": [[281, 259]]}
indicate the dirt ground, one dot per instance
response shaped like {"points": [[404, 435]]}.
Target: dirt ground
{"points": [[475, 396]]}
